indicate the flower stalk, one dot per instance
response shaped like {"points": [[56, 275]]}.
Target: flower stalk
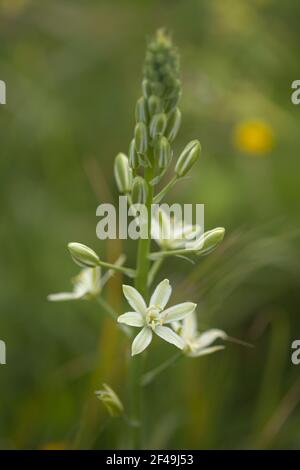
{"points": [[137, 176], [141, 283]]}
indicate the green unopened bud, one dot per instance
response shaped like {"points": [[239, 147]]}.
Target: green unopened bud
{"points": [[141, 111], [110, 400], [145, 161], [146, 88], [173, 125], [154, 105], [157, 89], [141, 138], [123, 173], [161, 69], [171, 103], [83, 255], [134, 161], [158, 125], [162, 152], [208, 241], [139, 190], [188, 158]]}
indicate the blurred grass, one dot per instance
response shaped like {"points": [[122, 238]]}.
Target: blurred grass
{"points": [[73, 73]]}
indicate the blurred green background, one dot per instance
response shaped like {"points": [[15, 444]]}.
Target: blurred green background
{"points": [[73, 73]]}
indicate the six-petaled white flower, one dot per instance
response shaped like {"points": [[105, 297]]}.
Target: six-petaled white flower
{"points": [[198, 344], [88, 283], [171, 233], [153, 318]]}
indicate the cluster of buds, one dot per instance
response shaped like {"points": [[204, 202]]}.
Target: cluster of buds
{"points": [[158, 120]]}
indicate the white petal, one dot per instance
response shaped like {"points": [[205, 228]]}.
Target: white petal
{"points": [[189, 326], [205, 351], [207, 338], [131, 319], [161, 295], [134, 299], [186, 232], [141, 341], [177, 327], [88, 280], [178, 312], [61, 296], [170, 336], [196, 244], [164, 223], [155, 230]]}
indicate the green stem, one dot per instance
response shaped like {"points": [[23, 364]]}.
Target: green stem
{"points": [[149, 376], [129, 272], [154, 270], [156, 255], [144, 243], [141, 285], [167, 188], [109, 311]]}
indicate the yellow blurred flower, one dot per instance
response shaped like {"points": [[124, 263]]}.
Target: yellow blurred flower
{"points": [[254, 136]]}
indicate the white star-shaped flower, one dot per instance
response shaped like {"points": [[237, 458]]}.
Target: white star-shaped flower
{"points": [[171, 233], [87, 283], [153, 318], [198, 344]]}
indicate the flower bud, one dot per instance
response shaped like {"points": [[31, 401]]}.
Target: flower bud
{"points": [[134, 161], [157, 88], [154, 105], [173, 125], [139, 190], [171, 103], [208, 241], [145, 161], [187, 158], [146, 88], [141, 111], [110, 400], [158, 125], [141, 138], [123, 174], [162, 152], [83, 255]]}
